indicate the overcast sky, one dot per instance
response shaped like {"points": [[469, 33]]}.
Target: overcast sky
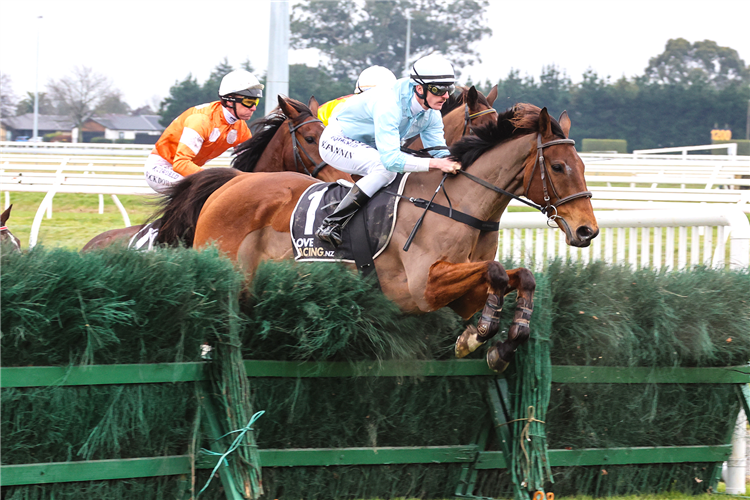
{"points": [[145, 46]]}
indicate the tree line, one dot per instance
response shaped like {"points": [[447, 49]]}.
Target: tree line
{"points": [[684, 92]]}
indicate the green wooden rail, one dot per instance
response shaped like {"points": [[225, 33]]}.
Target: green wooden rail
{"points": [[470, 455], [43, 376]]}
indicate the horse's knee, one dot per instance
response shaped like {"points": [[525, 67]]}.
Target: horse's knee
{"points": [[522, 279], [497, 277]]}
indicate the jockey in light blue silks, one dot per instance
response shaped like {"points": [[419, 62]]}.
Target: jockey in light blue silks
{"points": [[365, 134]]}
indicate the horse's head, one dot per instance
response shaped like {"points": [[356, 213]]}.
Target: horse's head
{"points": [[6, 237], [467, 111], [301, 145], [554, 179]]}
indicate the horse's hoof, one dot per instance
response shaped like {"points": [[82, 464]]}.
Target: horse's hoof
{"points": [[494, 361], [467, 342]]}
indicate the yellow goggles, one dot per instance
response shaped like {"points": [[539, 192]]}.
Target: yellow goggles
{"points": [[248, 102]]}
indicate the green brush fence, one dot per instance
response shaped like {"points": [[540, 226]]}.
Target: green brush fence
{"points": [[629, 384]]}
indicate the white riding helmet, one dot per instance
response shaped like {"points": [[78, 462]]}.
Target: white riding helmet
{"points": [[435, 69], [242, 83], [373, 77]]}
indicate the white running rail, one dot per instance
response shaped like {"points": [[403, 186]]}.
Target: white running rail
{"points": [[716, 235]]}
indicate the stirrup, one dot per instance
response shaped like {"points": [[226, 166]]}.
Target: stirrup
{"points": [[330, 233]]}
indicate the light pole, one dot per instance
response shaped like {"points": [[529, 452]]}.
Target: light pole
{"points": [[35, 135], [408, 43], [277, 78]]}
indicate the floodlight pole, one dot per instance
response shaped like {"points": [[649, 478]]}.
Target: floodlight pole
{"points": [[35, 135], [277, 79], [408, 43]]}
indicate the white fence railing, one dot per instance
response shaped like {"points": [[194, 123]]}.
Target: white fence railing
{"points": [[717, 236]]}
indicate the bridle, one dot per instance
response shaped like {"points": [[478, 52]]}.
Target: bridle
{"points": [[468, 117], [550, 209], [297, 146]]}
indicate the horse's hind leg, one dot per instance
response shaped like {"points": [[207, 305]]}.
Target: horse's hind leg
{"points": [[500, 354], [465, 288]]}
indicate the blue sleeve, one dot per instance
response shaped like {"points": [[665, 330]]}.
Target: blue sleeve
{"points": [[433, 135], [387, 139]]}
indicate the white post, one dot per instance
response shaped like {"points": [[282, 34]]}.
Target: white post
{"points": [[35, 135], [277, 79], [737, 462]]}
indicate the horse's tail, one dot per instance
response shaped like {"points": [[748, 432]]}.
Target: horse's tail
{"points": [[183, 203]]}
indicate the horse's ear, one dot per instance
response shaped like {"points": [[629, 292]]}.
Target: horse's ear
{"points": [[565, 123], [472, 97], [545, 124], [5, 216], [492, 95], [313, 105], [288, 110]]}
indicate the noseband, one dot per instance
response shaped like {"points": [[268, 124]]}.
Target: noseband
{"points": [[468, 117], [296, 147]]}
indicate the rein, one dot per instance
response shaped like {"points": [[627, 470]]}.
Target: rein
{"points": [[297, 146], [547, 210], [468, 117]]}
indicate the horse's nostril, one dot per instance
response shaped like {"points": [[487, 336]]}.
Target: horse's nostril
{"points": [[585, 233]]}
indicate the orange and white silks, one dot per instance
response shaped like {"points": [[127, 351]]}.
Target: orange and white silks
{"points": [[198, 135]]}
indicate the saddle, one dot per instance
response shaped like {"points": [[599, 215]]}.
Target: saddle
{"points": [[365, 236]]}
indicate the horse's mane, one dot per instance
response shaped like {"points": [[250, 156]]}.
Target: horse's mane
{"points": [[458, 99], [247, 154], [454, 101], [521, 119]]}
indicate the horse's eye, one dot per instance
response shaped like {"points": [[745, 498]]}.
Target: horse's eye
{"points": [[310, 140], [558, 167]]}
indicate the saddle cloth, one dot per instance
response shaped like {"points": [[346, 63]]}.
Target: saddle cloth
{"points": [[144, 239], [320, 200]]}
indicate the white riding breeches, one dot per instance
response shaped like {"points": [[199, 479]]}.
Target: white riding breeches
{"points": [[159, 174], [354, 157]]}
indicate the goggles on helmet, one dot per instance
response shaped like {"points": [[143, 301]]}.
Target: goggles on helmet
{"points": [[248, 102], [440, 90]]}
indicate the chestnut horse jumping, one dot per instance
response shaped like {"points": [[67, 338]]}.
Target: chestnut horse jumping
{"points": [[286, 140], [524, 152]]}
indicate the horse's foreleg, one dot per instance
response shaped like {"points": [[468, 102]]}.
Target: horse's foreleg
{"points": [[500, 354], [465, 288]]}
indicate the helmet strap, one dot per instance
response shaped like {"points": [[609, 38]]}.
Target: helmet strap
{"points": [[423, 95], [231, 107]]}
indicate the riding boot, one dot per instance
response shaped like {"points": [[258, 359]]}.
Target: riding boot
{"points": [[330, 229]]}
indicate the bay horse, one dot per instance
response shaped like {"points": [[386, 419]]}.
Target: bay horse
{"points": [[524, 152], [6, 237], [286, 140], [462, 113]]}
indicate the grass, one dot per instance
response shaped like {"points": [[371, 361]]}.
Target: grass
{"points": [[75, 217]]}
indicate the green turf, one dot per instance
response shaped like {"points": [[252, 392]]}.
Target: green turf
{"points": [[75, 217]]}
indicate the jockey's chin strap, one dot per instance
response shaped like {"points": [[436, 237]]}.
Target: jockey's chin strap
{"points": [[296, 146], [468, 117]]}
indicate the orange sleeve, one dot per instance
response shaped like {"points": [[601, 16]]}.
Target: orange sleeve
{"points": [[194, 133]]}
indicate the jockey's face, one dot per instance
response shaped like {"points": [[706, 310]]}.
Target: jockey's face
{"points": [[245, 113], [435, 102]]}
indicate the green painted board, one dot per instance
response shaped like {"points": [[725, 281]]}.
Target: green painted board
{"points": [[43, 376], [619, 456], [296, 457], [61, 472], [635, 375], [463, 367]]}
